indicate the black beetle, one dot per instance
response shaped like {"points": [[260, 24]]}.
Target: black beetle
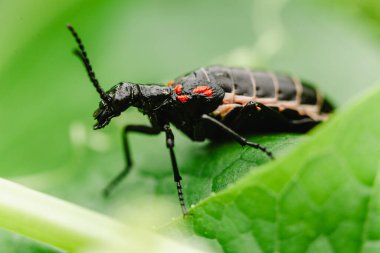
{"points": [[210, 103]]}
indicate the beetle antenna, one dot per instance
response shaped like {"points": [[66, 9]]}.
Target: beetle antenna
{"points": [[83, 55]]}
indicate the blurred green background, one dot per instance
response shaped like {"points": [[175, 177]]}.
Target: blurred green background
{"points": [[46, 99]]}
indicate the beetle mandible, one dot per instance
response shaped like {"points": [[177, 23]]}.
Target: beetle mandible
{"points": [[210, 103]]}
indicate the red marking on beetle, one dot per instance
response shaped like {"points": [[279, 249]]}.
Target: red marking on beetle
{"points": [[183, 98], [204, 90], [208, 93], [178, 89], [170, 83]]}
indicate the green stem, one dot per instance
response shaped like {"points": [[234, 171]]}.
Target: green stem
{"points": [[70, 227]]}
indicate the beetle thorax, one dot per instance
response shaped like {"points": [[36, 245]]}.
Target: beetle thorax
{"points": [[153, 98]]}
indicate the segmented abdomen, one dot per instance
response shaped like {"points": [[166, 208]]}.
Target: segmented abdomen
{"points": [[273, 90]]}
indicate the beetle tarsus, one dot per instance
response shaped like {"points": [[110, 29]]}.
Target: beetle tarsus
{"points": [[181, 200], [260, 147]]}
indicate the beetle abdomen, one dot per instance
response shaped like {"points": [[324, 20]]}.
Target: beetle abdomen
{"points": [[273, 90]]}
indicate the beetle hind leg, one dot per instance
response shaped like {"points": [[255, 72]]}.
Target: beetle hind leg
{"points": [[241, 140], [257, 117]]}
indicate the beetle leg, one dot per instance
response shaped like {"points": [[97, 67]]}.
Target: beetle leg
{"points": [[236, 136], [119, 177], [295, 125], [240, 118], [177, 176], [303, 125], [253, 110]]}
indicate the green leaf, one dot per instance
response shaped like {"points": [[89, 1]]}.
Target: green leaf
{"points": [[46, 99], [323, 197]]}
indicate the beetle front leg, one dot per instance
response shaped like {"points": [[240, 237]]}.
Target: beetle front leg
{"points": [[236, 136], [119, 177], [177, 176]]}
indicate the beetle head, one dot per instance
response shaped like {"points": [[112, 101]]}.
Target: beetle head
{"points": [[118, 99], [103, 115]]}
